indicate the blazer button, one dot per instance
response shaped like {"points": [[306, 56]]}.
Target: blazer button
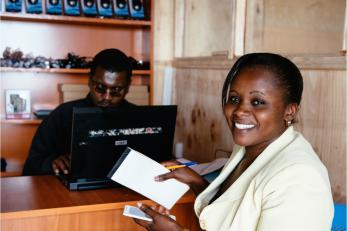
{"points": [[203, 224]]}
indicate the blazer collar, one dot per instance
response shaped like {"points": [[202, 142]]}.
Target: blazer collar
{"points": [[236, 190]]}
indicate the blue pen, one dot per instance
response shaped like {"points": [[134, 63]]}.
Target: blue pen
{"points": [[191, 163]]}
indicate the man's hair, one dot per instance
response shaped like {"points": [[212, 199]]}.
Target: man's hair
{"points": [[112, 60], [288, 76]]}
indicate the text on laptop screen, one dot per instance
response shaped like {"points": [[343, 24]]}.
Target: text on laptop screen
{"points": [[99, 136]]}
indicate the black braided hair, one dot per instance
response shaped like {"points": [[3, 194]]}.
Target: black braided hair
{"points": [[112, 60], [287, 73]]}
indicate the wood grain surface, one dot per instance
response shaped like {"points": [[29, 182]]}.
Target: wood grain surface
{"points": [[43, 203]]}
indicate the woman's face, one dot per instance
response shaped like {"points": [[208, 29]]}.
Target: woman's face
{"points": [[255, 110]]}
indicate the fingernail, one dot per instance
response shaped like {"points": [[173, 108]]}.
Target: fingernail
{"points": [[66, 171], [56, 172], [139, 204], [156, 178]]}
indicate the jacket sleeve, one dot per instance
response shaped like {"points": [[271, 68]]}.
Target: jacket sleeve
{"points": [[47, 145], [297, 198]]}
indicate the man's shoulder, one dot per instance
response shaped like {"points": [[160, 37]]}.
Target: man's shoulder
{"points": [[75, 103], [65, 109], [128, 104]]}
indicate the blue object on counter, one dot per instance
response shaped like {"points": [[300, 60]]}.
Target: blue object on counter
{"points": [[339, 221], [211, 176]]}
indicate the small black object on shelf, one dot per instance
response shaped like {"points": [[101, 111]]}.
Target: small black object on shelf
{"points": [[3, 164], [43, 113], [139, 64], [16, 59]]}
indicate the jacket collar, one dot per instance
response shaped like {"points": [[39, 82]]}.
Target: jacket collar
{"points": [[236, 190]]}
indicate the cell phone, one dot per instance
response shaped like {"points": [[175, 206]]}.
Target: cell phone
{"points": [[135, 212]]}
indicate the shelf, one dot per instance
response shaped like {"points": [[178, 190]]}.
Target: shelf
{"points": [[63, 70], [13, 168], [74, 20], [21, 121]]}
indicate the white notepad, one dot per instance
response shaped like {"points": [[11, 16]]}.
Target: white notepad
{"points": [[137, 171]]}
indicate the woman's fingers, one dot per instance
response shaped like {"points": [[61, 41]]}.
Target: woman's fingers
{"points": [[165, 176], [160, 209]]}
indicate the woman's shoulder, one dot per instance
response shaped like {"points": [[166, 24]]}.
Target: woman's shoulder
{"points": [[298, 158], [297, 151]]}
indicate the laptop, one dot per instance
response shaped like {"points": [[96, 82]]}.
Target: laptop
{"points": [[100, 136]]}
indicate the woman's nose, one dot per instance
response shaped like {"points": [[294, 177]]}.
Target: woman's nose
{"points": [[242, 109]]}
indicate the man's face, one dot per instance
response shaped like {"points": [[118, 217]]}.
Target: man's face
{"points": [[108, 89]]}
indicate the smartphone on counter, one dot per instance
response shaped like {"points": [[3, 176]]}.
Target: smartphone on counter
{"points": [[135, 212]]}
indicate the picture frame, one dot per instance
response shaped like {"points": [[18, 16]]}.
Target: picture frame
{"points": [[18, 104]]}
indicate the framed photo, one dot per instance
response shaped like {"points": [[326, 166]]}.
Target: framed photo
{"points": [[18, 105]]}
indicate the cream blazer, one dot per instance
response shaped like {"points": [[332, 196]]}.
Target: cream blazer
{"points": [[285, 188]]}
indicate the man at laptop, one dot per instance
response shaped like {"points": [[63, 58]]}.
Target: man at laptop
{"points": [[109, 81]]}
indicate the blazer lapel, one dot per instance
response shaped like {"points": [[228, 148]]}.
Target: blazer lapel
{"points": [[238, 188]]}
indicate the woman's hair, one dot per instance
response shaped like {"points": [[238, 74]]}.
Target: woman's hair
{"points": [[112, 60], [288, 76]]}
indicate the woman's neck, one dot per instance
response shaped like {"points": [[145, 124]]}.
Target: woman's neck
{"points": [[252, 152]]}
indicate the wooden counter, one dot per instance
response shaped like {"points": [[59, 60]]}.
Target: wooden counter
{"points": [[43, 203]]}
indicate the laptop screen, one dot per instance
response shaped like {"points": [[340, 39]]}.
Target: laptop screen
{"points": [[99, 137]]}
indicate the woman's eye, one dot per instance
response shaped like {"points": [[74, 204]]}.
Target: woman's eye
{"points": [[258, 102], [233, 100]]}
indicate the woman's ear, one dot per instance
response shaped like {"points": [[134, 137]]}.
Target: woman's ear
{"points": [[291, 111]]}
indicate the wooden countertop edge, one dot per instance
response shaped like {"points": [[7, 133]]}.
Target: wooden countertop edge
{"points": [[188, 198]]}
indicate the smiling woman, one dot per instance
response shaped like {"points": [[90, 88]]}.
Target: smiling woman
{"points": [[259, 105], [273, 180]]}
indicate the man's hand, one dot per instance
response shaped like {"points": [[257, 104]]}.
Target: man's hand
{"points": [[161, 220], [61, 164]]}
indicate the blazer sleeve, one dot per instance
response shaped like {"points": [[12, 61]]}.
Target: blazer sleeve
{"points": [[297, 198]]}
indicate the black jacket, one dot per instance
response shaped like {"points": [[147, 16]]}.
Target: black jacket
{"points": [[53, 137]]}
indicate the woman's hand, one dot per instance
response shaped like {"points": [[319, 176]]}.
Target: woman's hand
{"points": [[161, 220], [185, 175], [61, 164]]}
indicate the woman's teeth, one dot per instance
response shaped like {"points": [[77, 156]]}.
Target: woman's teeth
{"points": [[244, 126]]}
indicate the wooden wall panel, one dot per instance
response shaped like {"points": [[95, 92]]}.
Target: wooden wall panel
{"points": [[207, 27], [201, 126], [202, 129], [311, 26], [322, 119]]}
